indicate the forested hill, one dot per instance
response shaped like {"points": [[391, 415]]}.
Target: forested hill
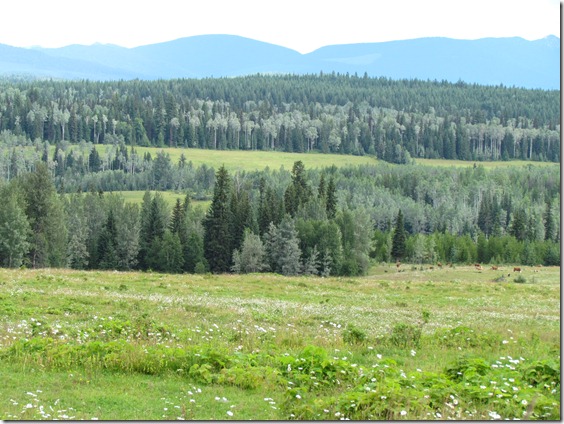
{"points": [[392, 119], [510, 61]]}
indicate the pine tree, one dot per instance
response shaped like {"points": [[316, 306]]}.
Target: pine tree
{"points": [[331, 199], [107, 244], [549, 224], [399, 238], [518, 227], [177, 222], [217, 236], [321, 190], [298, 192]]}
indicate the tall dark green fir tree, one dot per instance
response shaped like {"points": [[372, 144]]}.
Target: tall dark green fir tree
{"points": [[217, 236], [399, 238]]}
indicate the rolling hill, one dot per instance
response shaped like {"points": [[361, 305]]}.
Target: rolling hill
{"points": [[490, 61]]}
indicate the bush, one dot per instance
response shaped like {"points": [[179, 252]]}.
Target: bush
{"points": [[353, 335], [520, 279], [406, 335]]}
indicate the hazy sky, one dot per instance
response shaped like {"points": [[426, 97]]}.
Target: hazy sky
{"points": [[303, 25]]}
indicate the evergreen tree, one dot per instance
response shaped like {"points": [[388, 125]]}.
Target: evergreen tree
{"points": [[107, 244], [399, 238], [518, 227], [217, 236], [14, 229], [321, 190], [178, 219], [154, 217], [168, 253], [298, 192], [94, 161], [77, 249], [47, 219], [331, 199], [549, 223]]}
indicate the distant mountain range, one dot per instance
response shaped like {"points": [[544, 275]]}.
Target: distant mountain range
{"points": [[490, 61]]}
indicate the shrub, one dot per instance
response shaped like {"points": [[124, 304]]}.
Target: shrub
{"points": [[353, 335], [405, 335]]}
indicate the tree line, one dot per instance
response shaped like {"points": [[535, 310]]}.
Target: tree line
{"points": [[331, 221], [393, 120]]}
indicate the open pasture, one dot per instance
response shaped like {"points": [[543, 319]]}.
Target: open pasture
{"points": [[485, 164], [414, 343], [252, 160]]}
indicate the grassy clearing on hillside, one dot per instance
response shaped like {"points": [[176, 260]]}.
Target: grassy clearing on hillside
{"points": [[245, 160], [417, 344], [485, 164], [169, 196]]}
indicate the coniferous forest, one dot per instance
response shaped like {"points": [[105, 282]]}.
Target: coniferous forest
{"points": [[55, 182], [328, 113]]}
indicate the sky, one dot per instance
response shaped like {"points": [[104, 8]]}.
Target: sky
{"points": [[302, 25]]}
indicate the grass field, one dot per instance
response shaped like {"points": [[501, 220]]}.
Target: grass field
{"points": [[245, 160], [169, 196], [451, 343], [485, 164]]}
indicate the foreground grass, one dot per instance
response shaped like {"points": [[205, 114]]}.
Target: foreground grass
{"points": [[417, 344]]}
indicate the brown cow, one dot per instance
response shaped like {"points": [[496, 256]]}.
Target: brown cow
{"points": [[516, 269], [494, 268]]}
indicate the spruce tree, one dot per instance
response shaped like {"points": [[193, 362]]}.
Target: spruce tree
{"points": [[107, 244], [549, 224], [331, 199], [399, 238], [217, 236]]}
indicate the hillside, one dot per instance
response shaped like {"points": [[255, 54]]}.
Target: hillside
{"points": [[390, 119], [492, 61]]}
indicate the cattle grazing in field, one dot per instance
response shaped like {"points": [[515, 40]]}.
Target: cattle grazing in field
{"points": [[398, 264], [431, 267], [440, 265], [478, 267], [494, 268], [516, 269]]}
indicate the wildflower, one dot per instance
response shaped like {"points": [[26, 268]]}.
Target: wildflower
{"points": [[298, 397], [413, 352], [403, 413], [494, 415], [524, 402], [378, 356], [505, 342], [230, 413]]}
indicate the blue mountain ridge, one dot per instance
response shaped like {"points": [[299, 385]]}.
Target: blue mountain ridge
{"points": [[511, 61]]}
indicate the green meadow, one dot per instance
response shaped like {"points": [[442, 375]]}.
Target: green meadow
{"points": [[252, 160], [412, 343]]}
